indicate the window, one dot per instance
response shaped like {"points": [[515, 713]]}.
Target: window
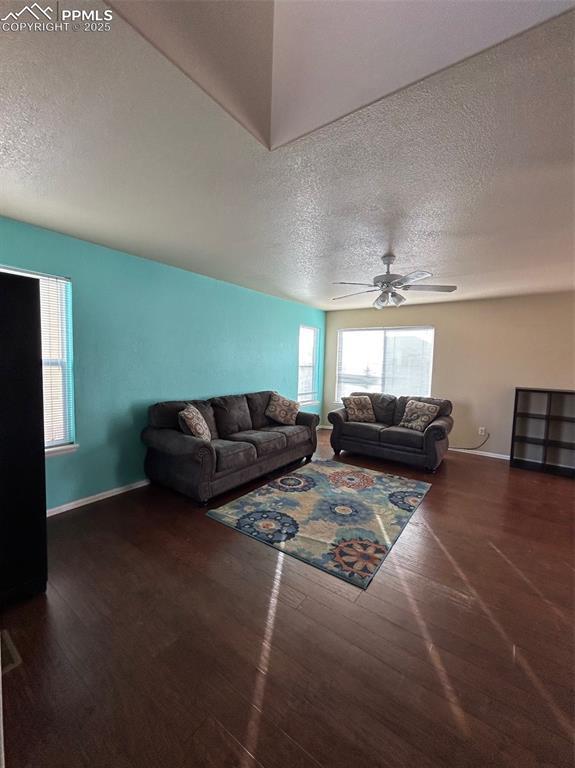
{"points": [[57, 359], [397, 361], [307, 379]]}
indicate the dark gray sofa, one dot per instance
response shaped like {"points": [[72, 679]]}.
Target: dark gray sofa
{"points": [[246, 444], [386, 440]]}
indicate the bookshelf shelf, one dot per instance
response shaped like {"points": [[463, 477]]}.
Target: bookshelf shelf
{"points": [[543, 436]]}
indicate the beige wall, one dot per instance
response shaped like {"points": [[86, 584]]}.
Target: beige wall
{"points": [[483, 350]]}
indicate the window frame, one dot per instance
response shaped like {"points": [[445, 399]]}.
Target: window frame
{"points": [[337, 401], [314, 394], [69, 396]]}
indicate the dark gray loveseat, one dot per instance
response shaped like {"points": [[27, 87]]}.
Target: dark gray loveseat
{"points": [[245, 444], [386, 440]]}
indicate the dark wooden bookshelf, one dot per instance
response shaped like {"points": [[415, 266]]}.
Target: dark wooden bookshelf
{"points": [[543, 437]]}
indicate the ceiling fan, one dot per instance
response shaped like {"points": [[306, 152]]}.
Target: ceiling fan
{"points": [[389, 284]]}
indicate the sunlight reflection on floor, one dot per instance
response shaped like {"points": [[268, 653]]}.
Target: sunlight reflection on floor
{"points": [[530, 584], [440, 670], [252, 731], [518, 657]]}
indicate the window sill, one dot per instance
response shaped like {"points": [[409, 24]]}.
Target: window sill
{"points": [[57, 450], [303, 403]]}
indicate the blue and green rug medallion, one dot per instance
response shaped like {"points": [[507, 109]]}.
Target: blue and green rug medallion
{"points": [[341, 519]]}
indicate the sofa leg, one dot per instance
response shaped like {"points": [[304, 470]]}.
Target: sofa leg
{"points": [[308, 458], [336, 451]]}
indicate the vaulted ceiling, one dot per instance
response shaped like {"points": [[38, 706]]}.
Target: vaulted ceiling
{"points": [[284, 68], [120, 137]]}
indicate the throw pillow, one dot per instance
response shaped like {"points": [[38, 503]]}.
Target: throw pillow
{"points": [[193, 423], [205, 408], [359, 408], [282, 410], [418, 415]]}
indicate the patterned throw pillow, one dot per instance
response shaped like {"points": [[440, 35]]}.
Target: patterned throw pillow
{"points": [[282, 410], [359, 408], [418, 415], [193, 423]]}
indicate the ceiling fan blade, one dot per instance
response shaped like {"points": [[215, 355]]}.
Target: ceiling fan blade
{"points": [[370, 285], [441, 288], [372, 290], [412, 277]]}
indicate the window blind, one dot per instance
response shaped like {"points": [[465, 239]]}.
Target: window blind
{"points": [[397, 361], [57, 364], [307, 386], [57, 357]]}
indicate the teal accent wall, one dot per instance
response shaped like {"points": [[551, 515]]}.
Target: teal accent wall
{"points": [[145, 332]]}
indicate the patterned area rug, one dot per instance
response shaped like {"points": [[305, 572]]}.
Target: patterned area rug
{"points": [[339, 518]]}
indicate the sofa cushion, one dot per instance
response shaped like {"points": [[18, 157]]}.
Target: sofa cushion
{"points": [[402, 438], [295, 435], [445, 406], [383, 405], [193, 423], [359, 408], [165, 415], [282, 410], [233, 455], [257, 403], [264, 442], [205, 408], [418, 415], [232, 414], [357, 430]]}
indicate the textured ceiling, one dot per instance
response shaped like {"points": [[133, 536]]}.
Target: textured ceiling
{"points": [[284, 68], [331, 58], [468, 174]]}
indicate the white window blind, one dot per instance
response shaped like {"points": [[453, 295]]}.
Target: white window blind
{"points": [[307, 380], [57, 358], [57, 367], [397, 361]]}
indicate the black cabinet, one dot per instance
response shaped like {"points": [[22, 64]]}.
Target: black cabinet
{"points": [[23, 562], [544, 430]]}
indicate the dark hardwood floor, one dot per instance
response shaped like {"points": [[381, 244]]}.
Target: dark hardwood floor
{"points": [[168, 640]]}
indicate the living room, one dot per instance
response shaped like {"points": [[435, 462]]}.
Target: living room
{"points": [[287, 431]]}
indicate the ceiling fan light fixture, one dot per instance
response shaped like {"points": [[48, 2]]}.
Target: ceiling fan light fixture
{"points": [[396, 299], [382, 300], [389, 283]]}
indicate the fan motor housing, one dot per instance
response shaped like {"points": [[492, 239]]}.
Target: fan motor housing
{"points": [[385, 279]]}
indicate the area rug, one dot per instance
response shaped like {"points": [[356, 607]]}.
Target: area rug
{"points": [[341, 519]]}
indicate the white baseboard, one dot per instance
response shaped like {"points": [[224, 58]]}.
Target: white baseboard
{"points": [[96, 497], [504, 456], [325, 426]]}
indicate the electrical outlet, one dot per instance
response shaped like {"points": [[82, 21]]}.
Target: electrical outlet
{"points": [[481, 431]]}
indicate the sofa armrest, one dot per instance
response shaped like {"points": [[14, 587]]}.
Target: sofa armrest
{"points": [[439, 428], [310, 420], [337, 417], [175, 443]]}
